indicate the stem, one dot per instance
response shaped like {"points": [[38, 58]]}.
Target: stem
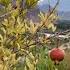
{"points": [[56, 67], [57, 42]]}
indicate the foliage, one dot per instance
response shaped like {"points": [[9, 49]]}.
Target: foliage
{"points": [[22, 46]]}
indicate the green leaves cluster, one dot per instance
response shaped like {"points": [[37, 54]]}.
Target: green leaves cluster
{"points": [[21, 41]]}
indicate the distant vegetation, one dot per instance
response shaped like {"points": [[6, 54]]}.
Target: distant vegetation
{"points": [[63, 25]]}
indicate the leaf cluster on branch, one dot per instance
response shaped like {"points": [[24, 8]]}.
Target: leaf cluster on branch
{"points": [[20, 40]]}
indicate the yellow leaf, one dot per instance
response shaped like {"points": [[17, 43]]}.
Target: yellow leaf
{"points": [[1, 38], [1, 66], [33, 27], [53, 28], [29, 64], [15, 13], [42, 16], [24, 12], [18, 45], [31, 56], [49, 25], [25, 68], [3, 29]]}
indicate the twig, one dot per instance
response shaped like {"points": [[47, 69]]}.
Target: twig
{"points": [[50, 12]]}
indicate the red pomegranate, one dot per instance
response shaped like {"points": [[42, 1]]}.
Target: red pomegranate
{"points": [[57, 54]]}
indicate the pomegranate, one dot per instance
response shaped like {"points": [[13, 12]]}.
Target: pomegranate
{"points": [[57, 55]]}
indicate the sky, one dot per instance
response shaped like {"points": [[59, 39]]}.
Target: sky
{"points": [[63, 6]]}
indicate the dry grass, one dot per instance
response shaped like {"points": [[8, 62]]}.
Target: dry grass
{"points": [[67, 60]]}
